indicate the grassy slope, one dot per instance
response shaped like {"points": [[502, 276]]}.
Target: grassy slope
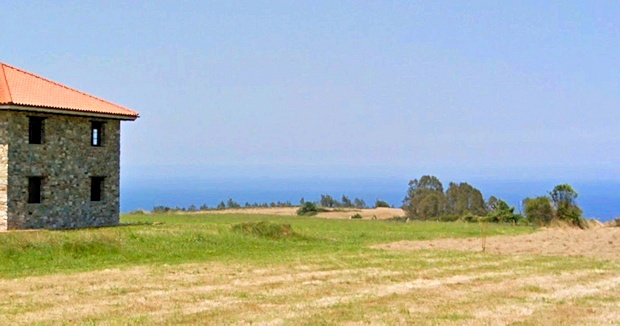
{"points": [[326, 275], [173, 239]]}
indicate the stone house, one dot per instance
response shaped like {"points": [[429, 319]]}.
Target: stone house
{"points": [[59, 154]]}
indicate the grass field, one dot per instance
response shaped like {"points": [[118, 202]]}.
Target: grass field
{"points": [[199, 268]]}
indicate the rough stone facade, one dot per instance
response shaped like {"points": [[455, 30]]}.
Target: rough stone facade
{"points": [[66, 161]]}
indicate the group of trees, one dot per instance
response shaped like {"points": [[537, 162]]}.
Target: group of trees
{"points": [[233, 204], [427, 200], [561, 205], [326, 201], [230, 203], [345, 202]]}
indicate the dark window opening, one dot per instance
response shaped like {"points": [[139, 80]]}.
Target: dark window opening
{"points": [[96, 188], [96, 133], [34, 190], [35, 130]]}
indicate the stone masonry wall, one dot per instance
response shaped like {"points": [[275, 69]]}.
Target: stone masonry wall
{"points": [[66, 160], [4, 169]]}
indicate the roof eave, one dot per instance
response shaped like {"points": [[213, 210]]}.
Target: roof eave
{"points": [[68, 112]]}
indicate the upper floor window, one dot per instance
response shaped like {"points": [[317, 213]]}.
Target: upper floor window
{"points": [[34, 190], [96, 133], [35, 130]]}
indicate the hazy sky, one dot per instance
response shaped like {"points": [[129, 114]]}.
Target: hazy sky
{"points": [[493, 89]]}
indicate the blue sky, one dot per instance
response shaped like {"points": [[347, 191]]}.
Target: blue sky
{"points": [[499, 90]]}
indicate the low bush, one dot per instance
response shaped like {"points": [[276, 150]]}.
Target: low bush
{"points": [[309, 209], [264, 229], [470, 218], [356, 216], [138, 212], [448, 218], [381, 203]]}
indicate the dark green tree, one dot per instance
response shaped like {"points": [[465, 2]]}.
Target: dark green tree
{"points": [[232, 204], [346, 202], [328, 201], [381, 203], [564, 199], [359, 203], [431, 206], [462, 199], [502, 212], [425, 198]]}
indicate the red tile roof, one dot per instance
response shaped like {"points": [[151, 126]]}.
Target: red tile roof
{"points": [[21, 88]]}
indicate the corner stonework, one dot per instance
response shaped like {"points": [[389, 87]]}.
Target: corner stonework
{"points": [[4, 180]]}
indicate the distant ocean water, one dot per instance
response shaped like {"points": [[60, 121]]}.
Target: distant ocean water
{"points": [[598, 199]]}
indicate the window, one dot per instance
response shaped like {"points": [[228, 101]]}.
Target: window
{"points": [[96, 188], [96, 133], [34, 190], [35, 130]]}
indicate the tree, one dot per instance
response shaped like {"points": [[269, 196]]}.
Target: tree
{"points": [[221, 205], [492, 203], [539, 210], [328, 201], [431, 206], [564, 199], [425, 198], [346, 202], [462, 199], [359, 203], [502, 212], [232, 204]]}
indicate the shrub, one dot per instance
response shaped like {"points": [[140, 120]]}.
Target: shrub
{"points": [[448, 218], [356, 216], [538, 210], [264, 229], [138, 212], [381, 203], [470, 218], [502, 212], [309, 209]]}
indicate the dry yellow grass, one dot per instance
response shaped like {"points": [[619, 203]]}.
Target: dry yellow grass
{"points": [[599, 242], [444, 289], [381, 213], [422, 282]]}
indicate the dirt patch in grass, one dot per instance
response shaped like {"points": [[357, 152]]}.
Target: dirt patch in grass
{"points": [[602, 242]]}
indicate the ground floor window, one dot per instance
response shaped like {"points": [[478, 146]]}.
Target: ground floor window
{"points": [[96, 188], [34, 190]]}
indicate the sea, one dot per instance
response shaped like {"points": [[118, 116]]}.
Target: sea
{"points": [[598, 199]]}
